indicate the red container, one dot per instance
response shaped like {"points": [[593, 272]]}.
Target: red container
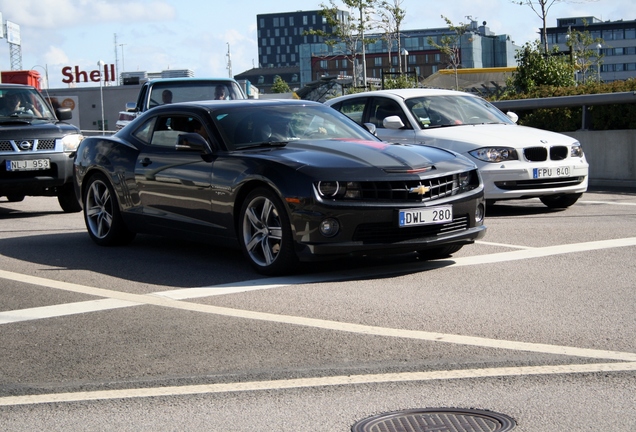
{"points": [[28, 77]]}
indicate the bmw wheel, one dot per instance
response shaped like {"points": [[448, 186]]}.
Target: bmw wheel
{"points": [[560, 201], [101, 214], [265, 233]]}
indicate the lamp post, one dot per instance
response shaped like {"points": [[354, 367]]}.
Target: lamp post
{"points": [[101, 92], [405, 53], [46, 73], [599, 47]]}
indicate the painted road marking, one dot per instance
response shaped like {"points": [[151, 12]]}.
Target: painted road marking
{"points": [[609, 203], [314, 382]]}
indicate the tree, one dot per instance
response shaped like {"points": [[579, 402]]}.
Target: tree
{"points": [[450, 45], [581, 55], [534, 68], [348, 34], [280, 86], [391, 16]]}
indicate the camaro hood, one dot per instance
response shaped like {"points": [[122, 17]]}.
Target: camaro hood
{"points": [[349, 154], [464, 138]]}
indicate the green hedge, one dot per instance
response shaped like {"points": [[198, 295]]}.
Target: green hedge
{"points": [[603, 117]]}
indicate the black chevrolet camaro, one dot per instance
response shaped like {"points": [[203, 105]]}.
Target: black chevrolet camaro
{"points": [[285, 181]]}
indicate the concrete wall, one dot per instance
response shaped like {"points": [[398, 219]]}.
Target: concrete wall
{"points": [[611, 155]]}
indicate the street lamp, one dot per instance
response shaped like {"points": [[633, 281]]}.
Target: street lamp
{"points": [[46, 73], [599, 47], [405, 53], [101, 92]]}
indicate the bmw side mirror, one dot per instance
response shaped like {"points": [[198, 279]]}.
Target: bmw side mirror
{"points": [[512, 116]]}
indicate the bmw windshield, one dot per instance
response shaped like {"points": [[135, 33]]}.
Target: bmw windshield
{"points": [[441, 111]]}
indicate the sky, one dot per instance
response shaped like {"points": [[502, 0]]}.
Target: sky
{"points": [[155, 35]]}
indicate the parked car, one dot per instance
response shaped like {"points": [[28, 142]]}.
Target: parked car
{"points": [[515, 161], [36, 147], [283, 180], [171, 90]]}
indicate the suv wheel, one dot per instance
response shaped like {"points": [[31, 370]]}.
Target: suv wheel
{"points": [[68, 200]]}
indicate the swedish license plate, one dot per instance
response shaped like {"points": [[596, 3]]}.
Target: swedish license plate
{"points": [[28, 165], [551, 172], [425, 216]]}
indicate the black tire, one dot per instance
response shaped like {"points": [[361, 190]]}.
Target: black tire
{"points": [[265, 233], [439, 252], [560, 201], [68, 199], [15, 198], [101, 213]]}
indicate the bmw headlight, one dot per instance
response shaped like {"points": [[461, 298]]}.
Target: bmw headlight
{"points": [[494, 154], [71, 142], [576, 150], [339, 190]]}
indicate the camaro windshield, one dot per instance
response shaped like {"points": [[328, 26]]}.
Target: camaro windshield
{"points": [[440, 111], [245, 126]]}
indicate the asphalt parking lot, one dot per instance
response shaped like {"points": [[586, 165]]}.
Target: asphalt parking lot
{"points": [[535, 322]]}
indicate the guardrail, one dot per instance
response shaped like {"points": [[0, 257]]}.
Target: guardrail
{"points": [[583, 101], [96, 132]]}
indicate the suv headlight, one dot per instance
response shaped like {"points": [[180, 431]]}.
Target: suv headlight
{"points": [[71, 142], [494, 154]]}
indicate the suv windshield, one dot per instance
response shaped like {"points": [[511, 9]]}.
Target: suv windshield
{"points": [[23, 103], [173, 92]]}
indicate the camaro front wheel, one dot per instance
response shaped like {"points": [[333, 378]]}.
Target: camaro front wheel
{"points": [[101, 214], [265, 233]]}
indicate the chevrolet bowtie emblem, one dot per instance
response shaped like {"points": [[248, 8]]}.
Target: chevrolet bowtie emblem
{"points": [[420, 190]]}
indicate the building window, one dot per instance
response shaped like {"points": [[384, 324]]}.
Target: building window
{"points": [[291, 21], [305, 22], [275, 22], [276, 32], [282, 41], [377, 61], [324, 64]]}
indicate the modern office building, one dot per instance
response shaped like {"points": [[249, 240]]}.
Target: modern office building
{"points": [[617, 51], [286, 50]]}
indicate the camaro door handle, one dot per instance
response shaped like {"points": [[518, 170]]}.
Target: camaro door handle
{"points": [[145, 162]]}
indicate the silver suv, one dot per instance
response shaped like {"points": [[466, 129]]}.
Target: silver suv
{"points": [[36, 147]]}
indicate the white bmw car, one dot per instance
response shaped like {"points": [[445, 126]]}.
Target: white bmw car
{"points": [[515, 161]]}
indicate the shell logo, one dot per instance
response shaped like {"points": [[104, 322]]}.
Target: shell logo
{"points": [[68, 103]]}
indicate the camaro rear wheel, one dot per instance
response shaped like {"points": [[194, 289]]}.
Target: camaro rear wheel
{"points": [[265, 233], [101, 214], [560, 201]]}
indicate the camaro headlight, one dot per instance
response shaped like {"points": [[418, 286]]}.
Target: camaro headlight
{"points": [[338, 189], [494, 154], [71, 142], [576, 150], [466, 181]]}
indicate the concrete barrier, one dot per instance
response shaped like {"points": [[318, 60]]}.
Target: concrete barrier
{"points": [[611, 155]]}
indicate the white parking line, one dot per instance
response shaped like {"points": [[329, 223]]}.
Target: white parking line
{"points": [[314, 382], [609, 203]]}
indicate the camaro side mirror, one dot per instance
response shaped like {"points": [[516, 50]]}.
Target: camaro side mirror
{"points": [[370, 127]]}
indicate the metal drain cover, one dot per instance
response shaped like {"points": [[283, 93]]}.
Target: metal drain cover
{"points": [[438, 420]]}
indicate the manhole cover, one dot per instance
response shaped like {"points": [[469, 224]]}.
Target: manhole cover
{"points": [[438, 420]]}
